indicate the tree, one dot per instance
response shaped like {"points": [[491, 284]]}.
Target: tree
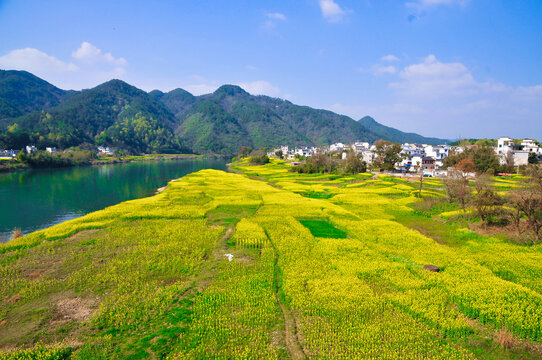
{"points": [[466, 166], [244, 151], [486, 201], [279, 154], [483, 157], [354, 165], [509, 162], [387, 154], [457, 188], [533, 158], [528, 200]]}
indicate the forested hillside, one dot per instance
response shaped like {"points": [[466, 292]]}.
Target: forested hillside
{"points": [[121, 116]]}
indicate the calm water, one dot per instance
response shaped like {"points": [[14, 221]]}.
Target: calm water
{"points": [[36, 199]]}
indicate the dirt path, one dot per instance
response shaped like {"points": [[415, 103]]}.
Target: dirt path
{"points": [[290, 326], [290, 333], [226, 237]]}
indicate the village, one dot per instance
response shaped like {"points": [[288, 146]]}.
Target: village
{"points": [[12, 154], [417, 158]]}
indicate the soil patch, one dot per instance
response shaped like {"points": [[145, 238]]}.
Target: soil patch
{"points": [[77, 309]]}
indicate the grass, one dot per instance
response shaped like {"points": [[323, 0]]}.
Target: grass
{"points": [[323, 228]]}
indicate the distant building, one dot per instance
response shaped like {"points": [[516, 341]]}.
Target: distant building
{"points": [[50, 150], [439, 152], [8, 154], [104, 150], [30, 148], [519, 152], [336, 147]]}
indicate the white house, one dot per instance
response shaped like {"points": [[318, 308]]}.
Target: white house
{"points": [[368, 156], [8, 154], [520, 152], [412, 150], [50, 150], [439, 152], [30, 148], [531, 146], [358, 146], [504, 145], [336, 147], [105, 150]]}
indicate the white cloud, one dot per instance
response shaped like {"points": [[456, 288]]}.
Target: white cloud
{"points": [[260, 87], [422, 7], [450, 102], [270, 22], [200, 89], [90, 68], [35, 61], [382, 69], [331, 11], [389, 58], [432, 3], [444, 99], [433, 78], [89, 53], [276, 16]]}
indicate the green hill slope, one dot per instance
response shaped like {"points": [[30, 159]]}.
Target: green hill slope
{"points": [[119, 115], [114, 114], [21, 93]]}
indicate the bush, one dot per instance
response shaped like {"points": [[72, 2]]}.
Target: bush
{"points": [[259, 160], [43, 159]]}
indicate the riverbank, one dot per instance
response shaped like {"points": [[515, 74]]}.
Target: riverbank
{"points": [[38, 198], [8, 165]]}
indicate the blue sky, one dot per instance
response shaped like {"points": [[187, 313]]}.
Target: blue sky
{"points": [[447, 68]]}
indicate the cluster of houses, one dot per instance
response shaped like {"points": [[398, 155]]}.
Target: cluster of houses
{"points": [[12, 154], [420, 157]]}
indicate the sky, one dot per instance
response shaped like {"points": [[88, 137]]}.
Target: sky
{"points": [[446, 68]]}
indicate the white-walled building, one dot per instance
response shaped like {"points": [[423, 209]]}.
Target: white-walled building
{"points": [[520, 152], [105, 150], [413, 150], [439, 152], [336, 147], [8, 154]]}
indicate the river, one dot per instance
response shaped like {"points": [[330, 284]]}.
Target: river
{"points": [[36, 199]]}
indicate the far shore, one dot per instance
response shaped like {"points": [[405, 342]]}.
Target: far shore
{"points": [[14, 165]]}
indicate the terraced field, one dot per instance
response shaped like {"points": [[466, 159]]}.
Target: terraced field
{"points": [[269, 264]]}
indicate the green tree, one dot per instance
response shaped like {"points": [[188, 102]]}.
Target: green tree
{"points": [[486, 201], [533, 158], [354, 165], [387, 154]]}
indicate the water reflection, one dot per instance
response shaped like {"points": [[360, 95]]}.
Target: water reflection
{"points": [[35, 199]]}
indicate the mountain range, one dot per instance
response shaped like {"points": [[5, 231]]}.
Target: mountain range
{"points": [[119, 115]]}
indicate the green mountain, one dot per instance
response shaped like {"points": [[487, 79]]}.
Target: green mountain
{"points": [[394, 135], [21, 92], [119, 115], [114, 114]]}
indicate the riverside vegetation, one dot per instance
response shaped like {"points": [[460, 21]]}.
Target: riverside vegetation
{"points": [[325, 266]]}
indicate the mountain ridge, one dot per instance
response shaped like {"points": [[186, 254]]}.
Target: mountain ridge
{"points": [[120, 115]]}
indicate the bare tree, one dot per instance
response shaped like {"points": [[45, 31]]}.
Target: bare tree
{"points": [[528, 200], [486, 200], [457, 188]]}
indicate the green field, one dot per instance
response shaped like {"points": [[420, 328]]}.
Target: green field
{"points": [[338, 276]]}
